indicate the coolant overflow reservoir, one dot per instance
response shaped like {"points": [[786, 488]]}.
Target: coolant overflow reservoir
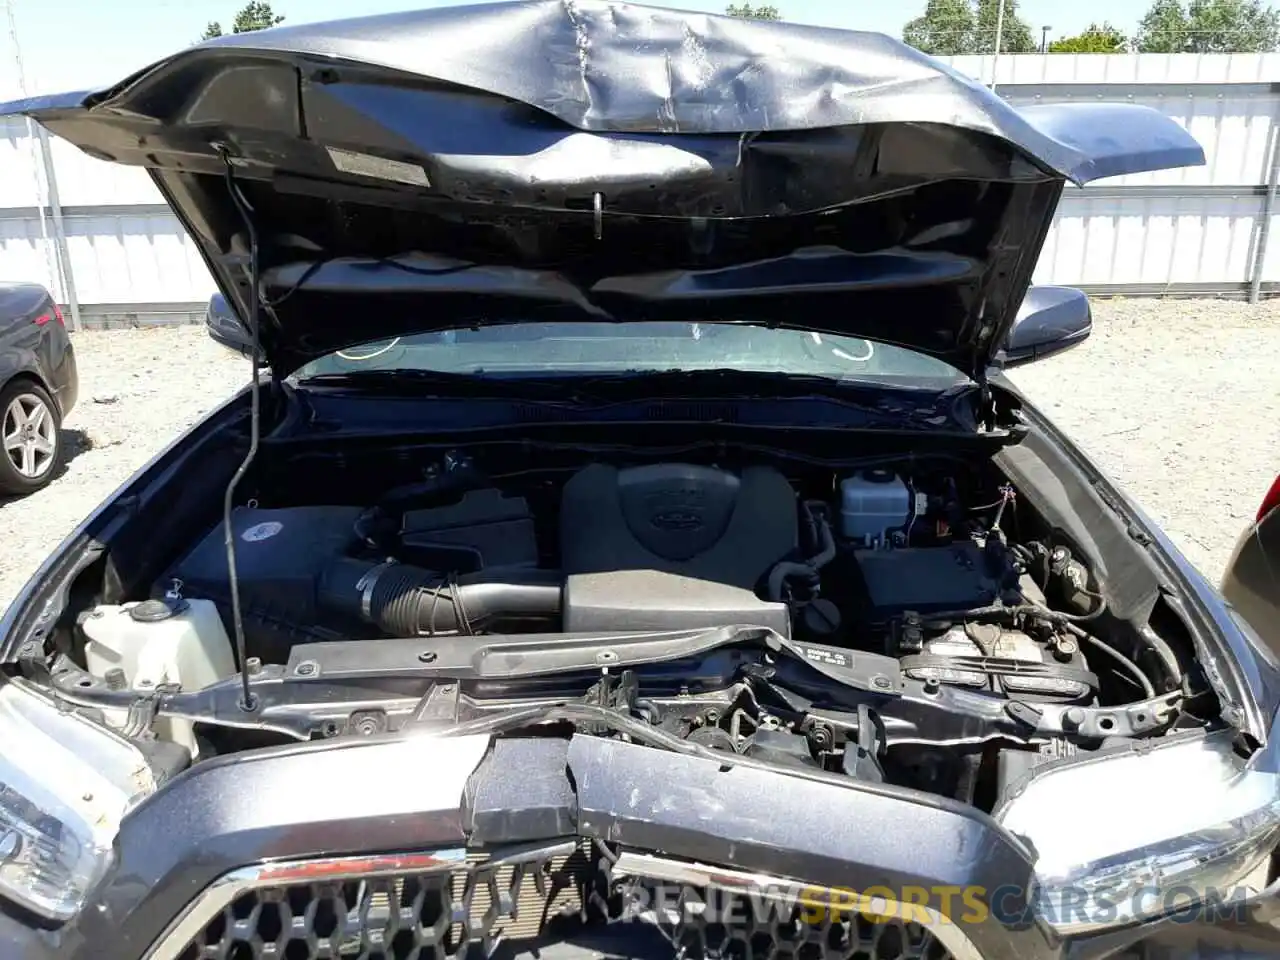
{"points": [[169, 641], [872, 504]]}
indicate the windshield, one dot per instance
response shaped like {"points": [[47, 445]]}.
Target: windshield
{"points": [[555, 349]]}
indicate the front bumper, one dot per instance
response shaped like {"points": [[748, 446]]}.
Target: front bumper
{"points": [[352, 810]]}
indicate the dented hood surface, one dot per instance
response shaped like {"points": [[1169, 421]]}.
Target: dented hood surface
{"points": [[544, 160]]}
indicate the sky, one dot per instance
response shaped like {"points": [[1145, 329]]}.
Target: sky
{"points": [[81, 44]]}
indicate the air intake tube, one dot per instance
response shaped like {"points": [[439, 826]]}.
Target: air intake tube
{"points": [[407, 601]]}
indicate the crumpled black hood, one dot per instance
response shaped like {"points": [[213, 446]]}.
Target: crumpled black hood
{"points": [[594, 160]]}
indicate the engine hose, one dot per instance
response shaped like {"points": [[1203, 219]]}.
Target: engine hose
{"points": [[803, 568], [376, 527], [1014, 610], [407, 601], [1164, 653]]}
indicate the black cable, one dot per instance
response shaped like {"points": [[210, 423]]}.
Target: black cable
{"points": [[997, 610], [1129, 666], [316, 265], [248, 702], [1068, 621]]}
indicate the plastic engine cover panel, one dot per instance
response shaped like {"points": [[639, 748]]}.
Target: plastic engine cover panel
{"points": [[694, 521], [653, 600], [673, 546]]}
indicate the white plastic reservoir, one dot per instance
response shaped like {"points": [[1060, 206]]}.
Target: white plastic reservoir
{"points": [[160, 642]]}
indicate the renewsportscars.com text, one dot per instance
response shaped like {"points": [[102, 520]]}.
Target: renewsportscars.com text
{"points": [[1011, 905]]}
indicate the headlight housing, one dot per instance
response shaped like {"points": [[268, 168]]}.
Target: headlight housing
{"points": [[1165, 826], [65, 785]]}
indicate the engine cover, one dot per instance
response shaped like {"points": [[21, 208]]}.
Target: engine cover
{"points": [[673, 546], [696, 522]]}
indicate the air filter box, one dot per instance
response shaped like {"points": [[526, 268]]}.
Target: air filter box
{"points": [[279, 557]]}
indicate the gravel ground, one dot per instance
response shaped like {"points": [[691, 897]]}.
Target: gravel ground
{"points": [[1179, 401]]}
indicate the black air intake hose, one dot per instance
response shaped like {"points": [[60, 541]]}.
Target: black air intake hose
{"points": [[409, 601], [376, 527]]}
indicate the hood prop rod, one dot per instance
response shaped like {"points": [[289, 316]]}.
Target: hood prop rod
{"points": [[248, 700]]}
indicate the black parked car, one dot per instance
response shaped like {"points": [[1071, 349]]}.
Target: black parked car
{"points": [[630, 545], [38, 386]]}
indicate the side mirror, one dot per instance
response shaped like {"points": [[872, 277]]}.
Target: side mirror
{"points": [[1050, 320], [222, 324]]}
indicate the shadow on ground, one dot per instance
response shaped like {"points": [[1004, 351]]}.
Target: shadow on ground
{"points": [[74, 443]]}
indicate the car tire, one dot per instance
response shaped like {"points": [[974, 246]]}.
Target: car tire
{"points": [[31, 447]]}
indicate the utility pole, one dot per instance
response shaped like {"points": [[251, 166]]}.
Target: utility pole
{"points": [[60, 265], [1044, 39], [995, 60]]}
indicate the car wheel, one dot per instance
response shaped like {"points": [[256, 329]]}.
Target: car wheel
{"points": [[30, 438]]}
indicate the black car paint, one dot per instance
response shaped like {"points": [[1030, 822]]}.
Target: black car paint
{"points": [[34, 343], [1050, 320]]}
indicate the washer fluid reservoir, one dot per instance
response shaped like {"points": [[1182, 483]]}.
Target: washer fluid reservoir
{"points": [[169, 641]]}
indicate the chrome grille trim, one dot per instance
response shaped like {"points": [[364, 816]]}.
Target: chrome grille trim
{"points": [[224, 891], [216, 903]]}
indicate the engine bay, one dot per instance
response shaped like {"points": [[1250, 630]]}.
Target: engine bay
{"points": [[902, 620], [875, 565]]}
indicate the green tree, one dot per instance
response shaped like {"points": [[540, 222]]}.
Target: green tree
{"points": [[945, 30], [254, 15], [1015, 33], [1163, 28], [1209, 26], [747, 12], [1095, 39], [952, 27]]}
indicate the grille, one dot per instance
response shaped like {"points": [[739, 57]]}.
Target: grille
{"points": [[474, 903], [428, 915], [739, 928]]}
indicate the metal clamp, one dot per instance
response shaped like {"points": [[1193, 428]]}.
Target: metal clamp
{"points": [[366, 585]]}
